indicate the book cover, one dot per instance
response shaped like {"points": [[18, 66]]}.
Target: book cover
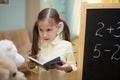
{"points": [[47, 65]]}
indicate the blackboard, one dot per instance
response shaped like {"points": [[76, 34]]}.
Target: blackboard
{"points": [[102, 45]]}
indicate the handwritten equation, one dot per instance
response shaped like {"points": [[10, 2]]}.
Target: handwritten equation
{"points": [[101, 26], [97, 52]]}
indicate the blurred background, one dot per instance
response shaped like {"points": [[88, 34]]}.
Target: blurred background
{"points": [[18, 14], [22, 14]]}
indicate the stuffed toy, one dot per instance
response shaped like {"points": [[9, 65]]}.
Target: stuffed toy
{"points": [[8, 49], [8, 70]]}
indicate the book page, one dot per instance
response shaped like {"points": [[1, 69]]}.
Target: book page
{"points": [[35, 60]]}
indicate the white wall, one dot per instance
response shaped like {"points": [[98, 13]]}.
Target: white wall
{"points": [[92, 1], [12, 15]]}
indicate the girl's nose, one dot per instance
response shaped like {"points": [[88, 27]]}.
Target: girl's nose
{"points": [[45, 34]]}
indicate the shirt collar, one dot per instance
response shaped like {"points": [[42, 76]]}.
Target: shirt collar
{"points": [[54, 42]]}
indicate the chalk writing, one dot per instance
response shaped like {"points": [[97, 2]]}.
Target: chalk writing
{"points": [[113, 56], [101, 26], [97, 53]]}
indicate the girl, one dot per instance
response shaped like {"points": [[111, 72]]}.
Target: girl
{"points": [[49, 42]]}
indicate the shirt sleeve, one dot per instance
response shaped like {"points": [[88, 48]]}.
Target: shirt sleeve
{"points": [[70, 57]]}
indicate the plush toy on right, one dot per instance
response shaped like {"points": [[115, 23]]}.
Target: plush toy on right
{"points": [[8, 70]]}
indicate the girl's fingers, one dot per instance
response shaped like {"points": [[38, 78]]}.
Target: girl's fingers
{"points": [[64, 62], [58, 67], [30, 62]]}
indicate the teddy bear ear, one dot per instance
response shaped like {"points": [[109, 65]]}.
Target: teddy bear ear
{"points": [[6, 44], [9, 45], [9, 48]]}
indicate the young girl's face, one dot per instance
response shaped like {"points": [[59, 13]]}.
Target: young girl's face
{"points": [[47, 32]]}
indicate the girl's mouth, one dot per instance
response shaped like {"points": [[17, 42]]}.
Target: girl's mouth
{"points": [[46, 39]]}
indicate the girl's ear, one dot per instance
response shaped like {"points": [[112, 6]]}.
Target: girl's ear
{"points": [[59, 25]]}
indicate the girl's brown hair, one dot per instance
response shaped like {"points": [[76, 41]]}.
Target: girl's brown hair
{"points": [[53, 15]]}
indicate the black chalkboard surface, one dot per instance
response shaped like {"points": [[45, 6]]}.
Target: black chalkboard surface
{"points": [[102, 45]]}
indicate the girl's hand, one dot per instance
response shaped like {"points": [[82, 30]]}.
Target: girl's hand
{"points": [[30, 64], [66, 67]]}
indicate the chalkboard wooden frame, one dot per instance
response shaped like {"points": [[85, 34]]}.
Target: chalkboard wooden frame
{"points": [[84, 8]]}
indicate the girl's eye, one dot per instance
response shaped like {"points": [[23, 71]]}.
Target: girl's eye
{"points": [[49, 29], [40, 29]]}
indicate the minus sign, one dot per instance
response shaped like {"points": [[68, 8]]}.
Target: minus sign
{"points": [[107, 50]]}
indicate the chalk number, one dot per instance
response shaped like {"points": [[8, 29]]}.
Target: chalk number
{"points": [[97, 52]]}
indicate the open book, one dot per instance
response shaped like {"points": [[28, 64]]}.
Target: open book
{"points": [[47, 65]]}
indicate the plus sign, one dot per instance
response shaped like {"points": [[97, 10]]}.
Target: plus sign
{"points": [[110, 29]]}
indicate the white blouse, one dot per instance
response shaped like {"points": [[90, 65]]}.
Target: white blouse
{"points": [[58, 47]]}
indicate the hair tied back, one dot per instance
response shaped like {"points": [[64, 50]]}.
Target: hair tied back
{"points": [[61, 20]]}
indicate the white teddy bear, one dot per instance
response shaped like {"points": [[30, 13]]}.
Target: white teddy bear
{"points": [[8, 70], [8, 49]]}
